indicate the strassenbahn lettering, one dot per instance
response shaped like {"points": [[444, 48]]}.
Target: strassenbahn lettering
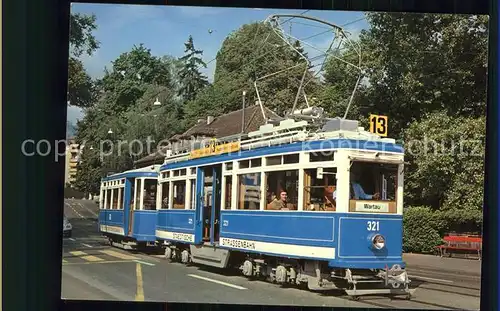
{"points": [[238, 243]]}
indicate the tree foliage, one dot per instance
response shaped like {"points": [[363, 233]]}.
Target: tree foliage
{"points": [[191, 80], [244, 57], [446, 156], [82, 41], [420, 63]]}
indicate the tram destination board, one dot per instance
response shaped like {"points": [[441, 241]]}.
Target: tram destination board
{"points": [[214, 149]]}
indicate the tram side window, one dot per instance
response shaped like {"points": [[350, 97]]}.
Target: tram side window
{"points": [[132, 189], [115, 198], [179, 194], [282, 190], [122, 198], [193, 194], [150, 188], [229, 194], [373, 181], [249, 191], [138, 195], [319, 194], [165, 188], [108, 199]]}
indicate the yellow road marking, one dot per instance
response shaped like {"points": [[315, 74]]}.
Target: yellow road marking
{"points": [[96, 262], [92, 258], [140, 290], [118, 255], [78, 253]]}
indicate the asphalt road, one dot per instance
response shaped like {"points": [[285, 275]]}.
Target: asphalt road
{"points": [[95, 271]]}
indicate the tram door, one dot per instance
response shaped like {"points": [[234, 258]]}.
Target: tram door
{"points": [[215, 219], [211, 203], [134, 204], [129, 204], [207, 202]]}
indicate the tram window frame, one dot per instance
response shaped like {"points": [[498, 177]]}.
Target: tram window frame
{"points": [[175, 194], [280, 187], [122, 205], [149, 182], [137, 194], [114, 197], [241, 204], [228, 194], [107, 202], [243, 164], [270, 160], [165, 195], [101, 198], [192, 203], [319, 156], [255, 162], [376, 176], [325, 191], [229, 166], [292, 158]]}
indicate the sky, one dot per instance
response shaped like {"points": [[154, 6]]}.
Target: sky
{"points": [[164, 29]]}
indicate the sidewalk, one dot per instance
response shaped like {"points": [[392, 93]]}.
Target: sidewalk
{"points": [[436, 263]]}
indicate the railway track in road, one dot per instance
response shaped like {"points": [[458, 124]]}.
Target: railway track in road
{"points": [[445, 292]]}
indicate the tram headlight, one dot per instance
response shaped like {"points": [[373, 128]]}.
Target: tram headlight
{"points": [[378, 241]]}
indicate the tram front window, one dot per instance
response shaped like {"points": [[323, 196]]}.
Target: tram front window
{"points": [[373, 181], [150, 187]]}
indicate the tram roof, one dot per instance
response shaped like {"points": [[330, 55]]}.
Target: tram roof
{"points": [[316, 145], [150, 171]]}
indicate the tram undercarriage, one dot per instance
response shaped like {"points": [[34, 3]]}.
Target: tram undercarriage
{"points": [[315, 275]]}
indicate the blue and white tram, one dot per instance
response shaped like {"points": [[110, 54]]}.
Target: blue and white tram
{"points": [[317, 208], [127, 214]]}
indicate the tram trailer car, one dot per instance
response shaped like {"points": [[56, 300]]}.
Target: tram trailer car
{"points": [[220, 210], [127, 207]]}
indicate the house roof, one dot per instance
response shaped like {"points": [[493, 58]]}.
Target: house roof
{"points": [[225, 125]]}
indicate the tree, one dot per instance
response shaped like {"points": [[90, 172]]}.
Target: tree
{"points": [[446, 169], [244, 57], [89, 171], [131, 73], [191, 80], [420, 63], [82, 41]]}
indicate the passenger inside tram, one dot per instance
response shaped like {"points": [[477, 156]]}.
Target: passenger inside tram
{"points": [[318, 193], [281, 203]]}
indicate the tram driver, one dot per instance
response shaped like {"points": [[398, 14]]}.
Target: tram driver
{"points": [[356, 191]]}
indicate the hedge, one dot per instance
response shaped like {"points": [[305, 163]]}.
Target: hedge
{"points": [[423, 227]]}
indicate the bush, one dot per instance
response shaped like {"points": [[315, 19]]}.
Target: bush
{"points": [[461, 220], [421, 229]]}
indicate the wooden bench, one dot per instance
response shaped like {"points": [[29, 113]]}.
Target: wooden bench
{"points": [[457, 243]]}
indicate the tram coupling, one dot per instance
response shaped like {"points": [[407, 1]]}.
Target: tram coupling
{"points": [[392, 282]]}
